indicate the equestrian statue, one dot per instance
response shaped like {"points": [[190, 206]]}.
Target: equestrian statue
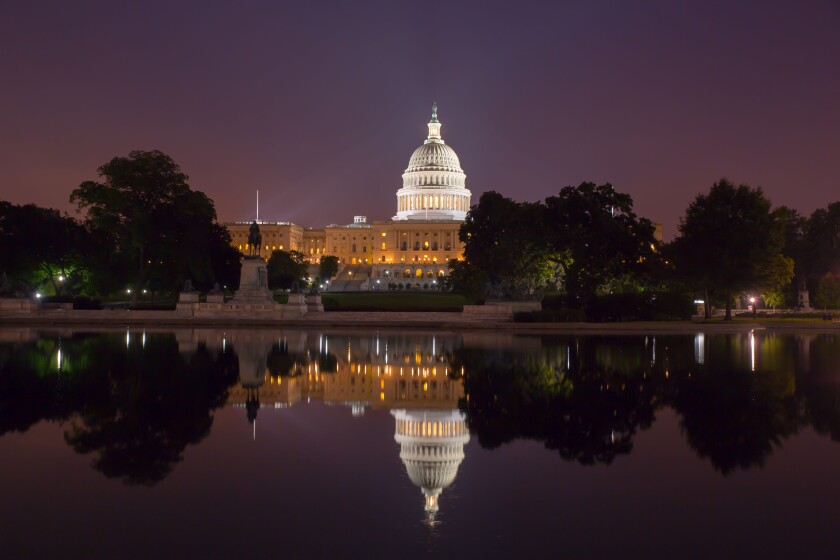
{"points": [[254, 240]]}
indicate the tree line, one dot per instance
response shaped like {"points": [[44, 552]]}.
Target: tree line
{"points": [[588, 248], [142, 230]]}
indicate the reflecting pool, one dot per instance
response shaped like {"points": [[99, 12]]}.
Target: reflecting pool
{"points": [[376, 443]]}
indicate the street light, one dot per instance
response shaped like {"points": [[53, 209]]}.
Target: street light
{"points": [[752, 301]]}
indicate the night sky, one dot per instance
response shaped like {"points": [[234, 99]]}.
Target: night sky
{"points": [[320, 104]]}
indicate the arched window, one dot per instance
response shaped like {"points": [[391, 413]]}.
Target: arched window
{"points": [[418, 273]]}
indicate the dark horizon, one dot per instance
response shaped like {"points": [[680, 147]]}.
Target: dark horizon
{"points": [[320, 106]]}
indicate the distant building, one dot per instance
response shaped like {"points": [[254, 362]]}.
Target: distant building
{"points": [[412, 249]]}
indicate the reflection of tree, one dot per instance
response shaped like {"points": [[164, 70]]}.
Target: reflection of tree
{"points": [[586, 413], [38, 383], [137, 409], [587, 397], [730, 414], [158, 404], [821, 386], [735, 417]]}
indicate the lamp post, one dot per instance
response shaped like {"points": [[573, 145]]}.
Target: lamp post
{"points": [[752, 301]]}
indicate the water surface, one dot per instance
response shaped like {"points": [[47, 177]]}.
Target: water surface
{"points": [[298, 443]]}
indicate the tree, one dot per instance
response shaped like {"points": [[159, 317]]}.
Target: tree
{"points": [[773, 298], [328, 267], [594, 236], [819, 249], [40, 246], [144, 208], [729, 242], [285, 268], [828, 293], [501, 240]]}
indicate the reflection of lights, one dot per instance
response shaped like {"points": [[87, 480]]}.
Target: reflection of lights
{"points": [[58, 359], [127, 337], [653, 361], [752, 350], [700, 348], [143, 340]]}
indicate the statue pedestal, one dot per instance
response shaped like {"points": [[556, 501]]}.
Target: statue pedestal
{"points": [[253, 282], [313, 303], [188, 297], [803, 302], [215, 298], [296, 305]]}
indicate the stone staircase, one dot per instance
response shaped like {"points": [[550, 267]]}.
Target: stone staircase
{"points": [[352, 278]]}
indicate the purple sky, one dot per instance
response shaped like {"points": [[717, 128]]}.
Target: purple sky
{"points": [[320, 104]]}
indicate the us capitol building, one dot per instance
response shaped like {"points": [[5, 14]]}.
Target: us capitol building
{"points": [[413, 248]]}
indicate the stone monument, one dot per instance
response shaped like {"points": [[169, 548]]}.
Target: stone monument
{"points": [[802, 300], [313, 301], [216, 295], [297, 302], [188, 294], [253, 279]]}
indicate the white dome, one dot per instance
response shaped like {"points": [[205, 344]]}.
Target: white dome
{"points": [[434, 156], [434, 185]]}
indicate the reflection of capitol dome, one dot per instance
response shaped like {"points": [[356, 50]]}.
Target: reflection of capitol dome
{"points": [[431, 448], [434, 183]]}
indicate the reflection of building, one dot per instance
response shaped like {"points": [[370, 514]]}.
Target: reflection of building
{"points": [[379, 371], [431, 448], [407, 374]]}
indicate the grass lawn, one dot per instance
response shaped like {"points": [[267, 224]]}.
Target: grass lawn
{"points": [[391, 301]]}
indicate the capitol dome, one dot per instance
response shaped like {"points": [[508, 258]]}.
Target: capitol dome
{"points": [[434, 156], [433, 183], [431, 448]]}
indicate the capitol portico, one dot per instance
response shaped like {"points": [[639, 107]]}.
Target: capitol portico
{"points": [[410, 251]]}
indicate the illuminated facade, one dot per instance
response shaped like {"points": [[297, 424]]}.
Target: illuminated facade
{"points": [[411, 250]]}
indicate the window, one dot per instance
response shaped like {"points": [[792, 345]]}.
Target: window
{"points": [[404, 246], [354, 248], [384, 234], [383, 246]]}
